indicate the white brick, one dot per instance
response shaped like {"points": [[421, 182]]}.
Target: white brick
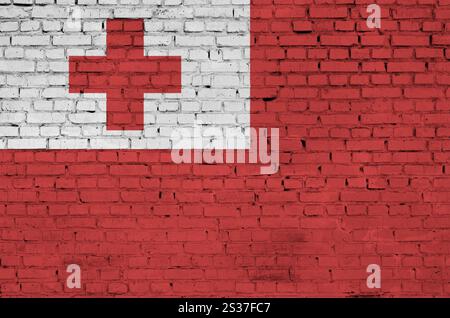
{"points": [[14, 66], [237, 26], [194, 26], [16, 80], [9, 92], [231, 67], [16, 105], [233, 54], [54, 92], [51, 25], [215, 119], [64, 105], [190, 106], [49, 131], [27, 143], [57, 80], [212, 106], [234, 106], [55, 54], [172, 26], [226, 81], [71, 131], [233, 41], [29, 131], [133, 12], [26, 40], [175, 13], [9, 131], [87, 118], [30, 93], [37, 80], [25, 2], [68, 143], [49, 12], [67, 40], [92, 26], [85, 105], [5, 41], [34, 54], [9, 26], [207, 93], [216, 26], [12, 118], [12, 12], [30, 26], [109, 143], [43, 105], [158, 143], [46, 118], [14, 52], [194, 40]]}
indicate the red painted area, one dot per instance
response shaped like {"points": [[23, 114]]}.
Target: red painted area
{"points": [[125, 74], [364, 178]]}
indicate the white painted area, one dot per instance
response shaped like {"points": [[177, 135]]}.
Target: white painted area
{"points": [[37, 111]]}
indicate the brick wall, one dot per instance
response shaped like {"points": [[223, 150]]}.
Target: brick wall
{"points": [[364, 177]]}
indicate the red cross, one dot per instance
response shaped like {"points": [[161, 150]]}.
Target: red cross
{"points": [[125, 74]]}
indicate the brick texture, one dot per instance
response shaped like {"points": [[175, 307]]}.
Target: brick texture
{"points": [[364, 177]]}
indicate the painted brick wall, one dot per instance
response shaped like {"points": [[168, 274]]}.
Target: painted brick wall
{"points": [[364, 176]]}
